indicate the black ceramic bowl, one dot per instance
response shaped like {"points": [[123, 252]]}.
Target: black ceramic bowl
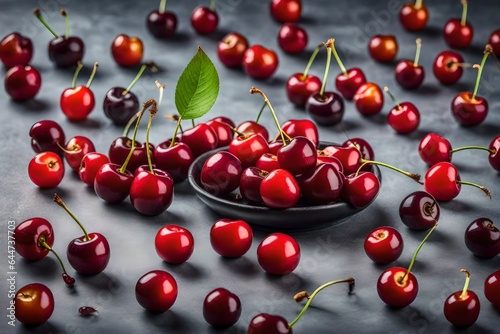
{"points": [[301, 217]]}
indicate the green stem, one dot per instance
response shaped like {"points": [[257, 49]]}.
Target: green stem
{"points": [[415, 177], [43, 243], [336, 55], [311, 60], [254, 90], [417, 53], [129, 124], [473, 148], [212, 5], [192, 122], [75, 75], [487, 51], [463, 21], [66, 18], [418, 4], [163, 5], [92, 74], [483, 188], [466, 284], [260, 112], [60, 202], [148, 150], [177, 127], [138, 75], [161, 88], [38, 15], [392, 97], [310, 298], [402, 279], [327, 67]]}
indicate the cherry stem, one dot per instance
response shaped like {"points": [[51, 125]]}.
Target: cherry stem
{"points": [[311, 60], [192, 122], [260, 112], [163, 4], [402, 279], [42, 242], [254, 90], [418, 42], [463, 22], [328, 45], [473, 148], [60, 202], [349, 280], [466, 284], [177, 127], [336, 55], [450, 64], [152, 112], [487, 50], [138, 75], [38, 15], [92, 74], [212, 5], [415, 177], [76, 148], [483, 188], [386, 89], [129, 124], [75, 75], [161, 88], [418, 4], [66, 17]]}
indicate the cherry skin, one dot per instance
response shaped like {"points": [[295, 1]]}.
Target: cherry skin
{"points": [[120, 149], [223, 131], [77, 103], [90, 165], [118, 107], [252, 127], [156, 291], [404, 118], [468, 111], [174, 244], [322, 184], [34, 304], [434, 148], [224, 120], [76, 148], [482, 238], [298, 156], [348, 83], [408, 75], [66, 51], [286, 10], [265, 323], [384, 245], [86, 310], [292, 39], [161, 24], [279, 189], [221, 308], [462, 308], [46, 170], [326, 109], [494, 156], [267, 162], [111, 184], [201, 138], [456, 35], [383, 48], [231, 49], [275, 145], [349, 157], [413, 18], [231, 238], [369, 99], [152, 192], [204, 20], [16, 49], [494, 41], [441, 181], [278, 254], [330, 160], [89, 256], [300, 87], [250, 181], [360, 190], [27, 236], [393, 290], [175, 160], [47, 135], [419, 211], [127, 51], [248, 149], [259, 62], [22, 83], [221, 173], [492, 288], [363, 147], [446, 68], [301, 127]]}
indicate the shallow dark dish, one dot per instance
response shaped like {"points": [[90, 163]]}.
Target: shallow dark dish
{"points": [[302, 217]]}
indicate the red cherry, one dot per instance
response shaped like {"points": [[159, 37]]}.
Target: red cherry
{"points": [[161, 23], [369, 99], [78, 102], [462, 308], [404, 117], [156, 291], [76, 148], [433, 149], [292, 39], [286, 10], [231, 49], [383, 48], [221, 173], [419, 210], [221, 308], [458, 33], [267, 162], [360, 190], [34, 304], [28, 234], [482, 238], [223, 131], [250, 181], [204, 20], [278, 254], [90, 165], [322, 184], [492, 288], [152, 191], [447, 67], [264, 323], [298, 156], [414, 17], [280, 190], [397, 287], [349, 157], [468, 110], [46, 170], [259, 62], [409, 74], [22, 82], [127, 51], [47, 135], [201, 138], [494, 41], [248, 149], [384, 245], [174, 244], [299, 87], [362, 146], [231, 238], [252, 127], [16, 49], [112, 183], [121, 147], [348, 82], [301, 127], [174, 159]]}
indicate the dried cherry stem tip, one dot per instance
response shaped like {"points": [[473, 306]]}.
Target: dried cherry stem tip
{"points": [[39, 16], [483, 188], [466, 284], [64, 13], [60, 202]]}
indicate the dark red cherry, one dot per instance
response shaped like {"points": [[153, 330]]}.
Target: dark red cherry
{"points": [[223, 131], [221, 308], [384, 245], [156, 291], [174, 244], [433, 149], [322, 184], [286, 10], [468, 110], [221, 173], [461, 308], [201, 138], [248, 149], [369, 99], [301, 127], [47, 135], [120, 149], [278, 254], [34, 304], [252, 127], [90, 165], [326, 109], [397, 287], [447, 67], [360, 190], [76, 148], [259, 62], [458, 33], [28, 234], [494, 156], [231, 238], [174, 159], [419, 210], [120, 105], [408, 75], [161, 23], [22, 82], [267, 162], [298, 156], [383, 48], [16, 49], [127, 51], [279, 189], [152, 192], [265, 323], [111, 184], [494, 41], [300, 87], [482, 238], [414, 16], [204, 20], [492, 288], [292, 39], [231, 49], [89, 256], [348, 82], [250, 181]]}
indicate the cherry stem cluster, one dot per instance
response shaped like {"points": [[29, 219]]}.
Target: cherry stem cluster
{"points": [[254, 90], [310, 62], [415, 177], [60, 202], [39, 16], [386, 89], [466, 284], [163, 5], [487, 50], [301, 295], [463, 21], [66, 17], [42, 242], [418, 42]]}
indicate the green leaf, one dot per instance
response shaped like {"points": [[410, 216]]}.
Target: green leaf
{"points": [[197, 88]]}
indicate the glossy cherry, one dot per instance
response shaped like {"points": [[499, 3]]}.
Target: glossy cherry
{"points": [[286, 10], [112, 182], [492, 288], [434, 148], [494, 41], [78, 102], [47, 135], [363, 147], [279, 189], [383, 48], [174, 159], [419, 210], [448, 67], [221, 173], [414, 16], [260, 62], [252, 127], [221, 308], [404, 118], [369, 99], [90, 165], [231, 238], [174, 244], [201, 138], [278, 254], [121, 148], [161, 23], [267, 162], [127, 51], [248, 148], [46, 170], [384, 245], [250, 181], [76, 148], [16, 49], [410, 74], [482, 238], [301, 127], [458, 33], [461, 308], [361, 189], [152, 191], [322, 184], [34, 304], [22, 83], [298, 156], [204, 20], [349, 157], [156, 291], [292, 38], [223, 131], [231, 49]]}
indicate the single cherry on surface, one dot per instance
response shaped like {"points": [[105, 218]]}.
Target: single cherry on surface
{"points": [[90, 165], [448, 67], [369, 99], [359, 190], [46, 170], [127, 51], [458, 33], [404, 118], [384, 245], [221, 308], [34, 304], [482, 238], [78, 102], [434, 148], [260, 62], [286, 10], [231, 49], [161, 23], [461, 308], [414, 16], [231, 238], [156, 291], [419, 210], [492, 288], [410, 74], [494, 41], [292, 38], [47, 135], [16, 49], [383, 48], [204, 20], [22, 83], [278, 254], [174, 244]]}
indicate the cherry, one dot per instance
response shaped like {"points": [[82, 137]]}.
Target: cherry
{"points": [[419, 210], [458, 33], [200, 138], [267, 162], [231, 49], [494, 41], [221, 173], [78, 102], [16, 49], [409, 74], [46, 170], [462, 308], [65, 50], [250, 181], [443, 182], [221, 308], [248, 148], [301, 127], [467, 108], [298, 156], [292, 39], [383, 48], [492, 288], [174, 158], [127, 51], [363, 147], [161, 23], [224, 120], [22, 82], [223, 131], [322, 184], [279, 189], [384, 245], [87, 311], [34, 304], [47, 135], [76, 148], [361, 189], [174, 244], [231, 238], [482, 238], [286, 10], [330, 160], [434, 148], [252, 127], [350, 157], [414, 17], [404, 117], [448, 67], [397, 286], [369, 99], [88, 254], [204, 20], [259, 62], [278, 254], [156, 291], [275, 145], [90, 165]]}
